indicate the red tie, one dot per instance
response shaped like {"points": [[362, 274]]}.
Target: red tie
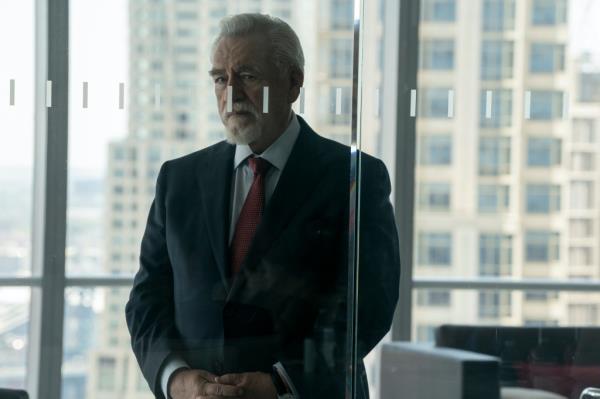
{"points": [[250, 214]]}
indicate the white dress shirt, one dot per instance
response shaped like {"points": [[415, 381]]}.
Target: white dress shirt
{"points": [[277, 155]]}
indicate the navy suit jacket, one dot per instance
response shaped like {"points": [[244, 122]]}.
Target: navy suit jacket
{"points": [[289, 301]]}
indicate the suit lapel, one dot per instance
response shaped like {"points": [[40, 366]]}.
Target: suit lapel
{"points": [[297, 180], [215, 174]]}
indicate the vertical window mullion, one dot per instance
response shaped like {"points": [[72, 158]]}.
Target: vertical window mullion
{"points": [[50, 201], [405, 147]]}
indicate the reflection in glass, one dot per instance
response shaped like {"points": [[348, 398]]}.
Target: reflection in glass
{"points": [[14, 330], [96, 359], [523, 177]]}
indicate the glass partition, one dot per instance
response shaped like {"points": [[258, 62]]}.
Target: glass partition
{"points": [[151, 102], [495, 191]]}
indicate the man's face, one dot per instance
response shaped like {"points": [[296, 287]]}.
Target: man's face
{"points": [[244, 63]]}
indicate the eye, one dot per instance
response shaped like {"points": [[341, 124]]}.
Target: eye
{"points": [[219, 79], [247, 76]]}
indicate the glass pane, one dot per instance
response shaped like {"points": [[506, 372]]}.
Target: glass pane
{"points": [[14, 330], [16, 136], [506, 112], [153, 190], [378, 255], [98, 101], [527, 156], [97, 361]]}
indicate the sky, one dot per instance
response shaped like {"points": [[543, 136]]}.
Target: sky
{"points": [[98, 55]]}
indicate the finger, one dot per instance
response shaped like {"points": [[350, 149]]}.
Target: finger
{"points": [[207, 375], [230, 379], [222, 390]]}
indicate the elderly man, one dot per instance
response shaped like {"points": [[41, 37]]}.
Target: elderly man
{"points": [[242, 286]]}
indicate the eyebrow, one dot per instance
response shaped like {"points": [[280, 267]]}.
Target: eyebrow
{"points": [[241, 68]]}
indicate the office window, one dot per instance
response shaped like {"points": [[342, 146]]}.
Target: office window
{"points": [[433, 103], [546, 104], [583, 161], [580, 256], [547, 58], [185, 50], [542, 198], [433, 298], [495, 254], [582, 194], [106, 374], [494, 156], [186, 15], [434, 196], [540, 296], [581, 228], [543, 151], [498, 15], [501, 108], [589, 87], [541, 246], [437, 54], [497, 58], [435, 150], [584, 130], [186, 32], [493, 198], [549, 12], [340, 58], [494, 304], [341, 14], [185, 67], [584, 314], [434, 249], [438, 10], [218, 12]]}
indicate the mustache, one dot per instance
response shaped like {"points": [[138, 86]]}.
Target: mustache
{"points": [[242, 107]]}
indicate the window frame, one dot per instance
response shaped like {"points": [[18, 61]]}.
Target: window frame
{"points": [[403, 162]]}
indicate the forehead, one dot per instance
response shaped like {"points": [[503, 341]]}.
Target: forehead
{"points": [[240, 50]]}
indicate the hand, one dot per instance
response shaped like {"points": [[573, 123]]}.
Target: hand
{"points": [[255, 385], [200, 384]]}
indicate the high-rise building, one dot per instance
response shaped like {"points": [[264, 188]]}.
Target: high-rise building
{"points": [[507, 154]]}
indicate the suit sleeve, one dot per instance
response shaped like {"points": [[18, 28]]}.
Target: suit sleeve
{"points": [[149, 311], [322, 371], [379, 259]]}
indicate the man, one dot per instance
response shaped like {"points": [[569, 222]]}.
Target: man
{"points": [[242, 286]]}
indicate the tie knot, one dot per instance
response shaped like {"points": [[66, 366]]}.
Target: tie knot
{"points": [[259, 166]]}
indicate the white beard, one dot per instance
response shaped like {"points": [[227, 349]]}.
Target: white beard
{"points": [[240, 131], [243, 135]]}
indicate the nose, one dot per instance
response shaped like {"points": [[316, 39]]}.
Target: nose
{"points": [[237, 88]]}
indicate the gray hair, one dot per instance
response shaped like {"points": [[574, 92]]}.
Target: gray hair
{"points": [[285, 45]]}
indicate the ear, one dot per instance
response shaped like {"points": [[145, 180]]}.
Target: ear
{"points": [[296, 77]]}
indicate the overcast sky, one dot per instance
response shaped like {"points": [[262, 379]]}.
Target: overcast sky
{"points": [[98, 52]]}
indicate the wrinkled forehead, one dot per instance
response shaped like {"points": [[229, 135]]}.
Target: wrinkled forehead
{"points": [[241, 50]]}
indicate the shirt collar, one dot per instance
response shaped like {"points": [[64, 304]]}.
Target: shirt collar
{"points": [[277, 153]]}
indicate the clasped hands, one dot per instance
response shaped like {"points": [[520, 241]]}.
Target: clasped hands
{"points": [[201, 384]]}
